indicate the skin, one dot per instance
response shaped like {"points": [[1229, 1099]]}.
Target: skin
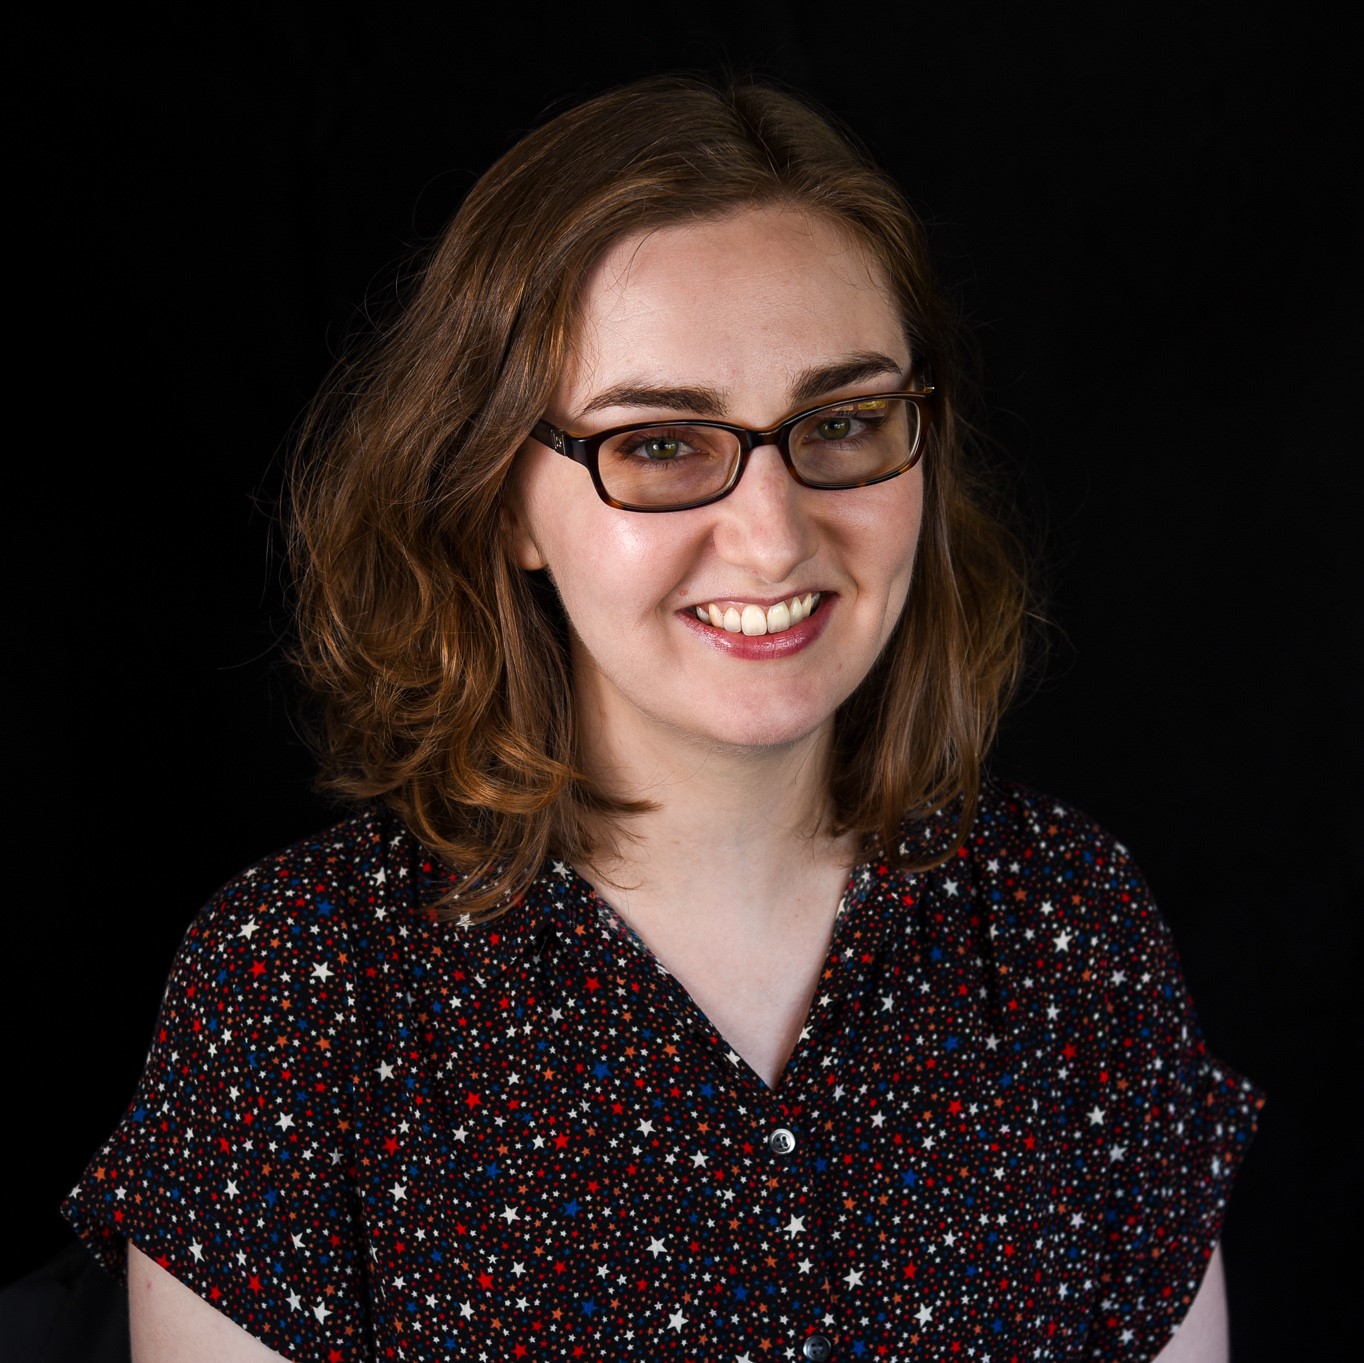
{"points": [[170, 1324], [732, 878], [741, 309], [746, 318]]}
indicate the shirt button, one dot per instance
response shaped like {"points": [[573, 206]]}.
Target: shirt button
{"points": [[781, 1142], [818, 1348]]}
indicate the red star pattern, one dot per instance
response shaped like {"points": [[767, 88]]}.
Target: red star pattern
{"points": [[367, 1133]]}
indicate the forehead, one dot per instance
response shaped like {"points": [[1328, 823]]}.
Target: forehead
{"points": [[740, 304]]}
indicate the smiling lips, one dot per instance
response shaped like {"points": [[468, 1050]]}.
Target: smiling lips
{"points": [[756, 620]]}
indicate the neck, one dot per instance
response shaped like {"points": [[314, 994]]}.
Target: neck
{"points": [[737, 844]]}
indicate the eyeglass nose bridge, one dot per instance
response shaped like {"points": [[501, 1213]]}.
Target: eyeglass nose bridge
{"points": [[779, 437]]}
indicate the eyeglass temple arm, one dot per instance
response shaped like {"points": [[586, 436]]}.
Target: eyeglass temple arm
{"points": [[572, 447]]}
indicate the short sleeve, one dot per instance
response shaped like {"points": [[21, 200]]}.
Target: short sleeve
{"points": [[233, 1167], [1169, 1123]]}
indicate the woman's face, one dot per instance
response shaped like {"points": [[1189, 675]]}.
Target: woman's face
{"points": [[747, 318]]}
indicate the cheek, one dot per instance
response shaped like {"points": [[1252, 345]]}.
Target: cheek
{"points": [[897, 539], [886, 529], [555, 518], [612, 570], [913, 533]]}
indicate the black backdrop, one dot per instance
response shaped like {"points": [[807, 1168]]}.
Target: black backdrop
{"points": [[1147, 220]]}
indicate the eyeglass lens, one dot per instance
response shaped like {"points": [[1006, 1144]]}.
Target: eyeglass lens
{"points": [[675, 463]]}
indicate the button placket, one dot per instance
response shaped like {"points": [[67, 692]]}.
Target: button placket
{"points": [[800, 1215]]}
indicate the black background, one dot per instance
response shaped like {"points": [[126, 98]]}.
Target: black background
{"points": [[1146, 217]]}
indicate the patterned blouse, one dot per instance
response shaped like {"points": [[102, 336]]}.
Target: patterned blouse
{"points": [[367, 1133]]}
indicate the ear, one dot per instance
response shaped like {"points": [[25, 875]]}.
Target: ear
{"points": [[516, 533]]}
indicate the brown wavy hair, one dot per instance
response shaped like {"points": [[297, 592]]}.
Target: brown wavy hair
{"points": [[441, 668]]}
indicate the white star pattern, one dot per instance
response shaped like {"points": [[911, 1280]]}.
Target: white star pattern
{"points": [[523, 1134]]}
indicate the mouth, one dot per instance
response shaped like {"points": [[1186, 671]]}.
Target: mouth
{"points": [[754, 620]]}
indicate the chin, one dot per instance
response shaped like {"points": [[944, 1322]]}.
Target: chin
{"points": [[767, 733]]}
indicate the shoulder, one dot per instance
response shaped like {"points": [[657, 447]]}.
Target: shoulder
{"points": [[1021, 833], [282, 954], [280, 949], [1047, 842], [1045, 833], [302, 903], [1036, 873], [367, 858]]}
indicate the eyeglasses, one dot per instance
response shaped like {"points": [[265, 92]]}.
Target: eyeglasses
{"points": [[677, 465]]}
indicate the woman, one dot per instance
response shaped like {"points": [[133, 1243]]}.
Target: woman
{"points": [[679, 989]]}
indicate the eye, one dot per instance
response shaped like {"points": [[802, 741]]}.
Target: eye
{"points": [[659, 447], [852, 423], [663, 445]]}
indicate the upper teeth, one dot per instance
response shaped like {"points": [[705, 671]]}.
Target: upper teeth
{"points": [[754, 620]]}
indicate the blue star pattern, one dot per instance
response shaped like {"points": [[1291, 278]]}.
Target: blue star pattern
{"points": [[367, 1133]]}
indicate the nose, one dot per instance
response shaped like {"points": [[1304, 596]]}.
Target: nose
{"points": [[766, 524]]}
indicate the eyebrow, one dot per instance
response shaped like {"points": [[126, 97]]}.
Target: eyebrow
{"points": [[818, 380], [810, 384]]}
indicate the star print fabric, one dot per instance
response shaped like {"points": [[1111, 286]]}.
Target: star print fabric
{"points": [[365, 1133]]}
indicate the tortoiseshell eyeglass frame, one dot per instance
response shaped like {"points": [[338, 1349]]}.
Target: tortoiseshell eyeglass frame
{"points": [[586, 449]]}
